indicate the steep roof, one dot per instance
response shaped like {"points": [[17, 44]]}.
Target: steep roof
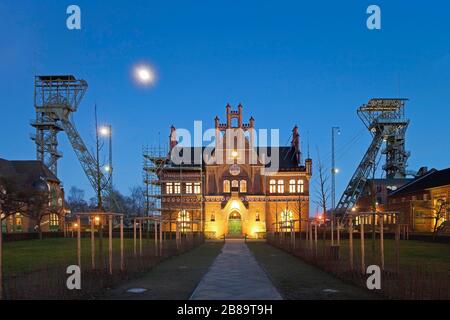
{"points": [[286, 155], [26, 171], [434, 178]]}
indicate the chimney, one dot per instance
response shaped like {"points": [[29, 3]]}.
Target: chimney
{"points": [[308, 164], [173, 138], [295, 144]]}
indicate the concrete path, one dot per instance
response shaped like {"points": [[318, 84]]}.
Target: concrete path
{"points": [[235, 275]]}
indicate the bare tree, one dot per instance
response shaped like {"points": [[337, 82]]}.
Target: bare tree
{"points": [[75, 200], [322, 193], [322, 190]]}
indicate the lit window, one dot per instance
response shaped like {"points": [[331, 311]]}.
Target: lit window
{"points": [[243, 187], [177, 187], [235, 184], [169, 187], [54, 220], [197, 189], [184, 220], [292, 186], [18, 219], [300, 186], [273, 186], [189, 188], [286, 219], [226, 185], [280, 186]]}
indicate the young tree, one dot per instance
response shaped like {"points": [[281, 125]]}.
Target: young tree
{"points": [[322, 191]]}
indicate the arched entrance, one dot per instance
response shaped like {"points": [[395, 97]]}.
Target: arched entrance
{"points": [[235, 224]]}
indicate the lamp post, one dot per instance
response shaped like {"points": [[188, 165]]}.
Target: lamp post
{"points": [[106, 131], [334, 130]]}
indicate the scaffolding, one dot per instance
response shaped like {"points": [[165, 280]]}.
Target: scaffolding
{"points": [[385, 119], [187, 205]]}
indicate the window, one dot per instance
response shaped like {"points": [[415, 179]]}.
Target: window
{"points": [[226, 186], [197, 189], [184, 220], [54, 222], [177, 187], [189, 189], [243, 186], [18, 220], [300, 186], [425, 197], [286, 219], [280, 186], [235, 184], [169, 187], [292, 186], [273, 186]]}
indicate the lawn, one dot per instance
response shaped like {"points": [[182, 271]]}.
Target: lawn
{"points": [[297, 280], [412, 253], [26, 256]]}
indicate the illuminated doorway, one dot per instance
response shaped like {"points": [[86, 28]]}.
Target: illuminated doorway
{"points": [[235, 225]]}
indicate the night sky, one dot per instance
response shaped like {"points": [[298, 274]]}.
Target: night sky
{"points": [[310, 63]]}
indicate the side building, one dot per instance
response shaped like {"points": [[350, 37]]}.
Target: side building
{"points": [[20, 183], [424, 203]]}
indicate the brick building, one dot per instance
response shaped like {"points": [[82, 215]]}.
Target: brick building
{"points": [[28, 175], [423, 203], [234, 187]]}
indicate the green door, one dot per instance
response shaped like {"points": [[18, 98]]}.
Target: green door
{"points": [[235, 225]]}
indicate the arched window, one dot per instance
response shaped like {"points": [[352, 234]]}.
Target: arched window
{"points": [[243, 186], [226, 186], [273, 186], [280, 186], [286, 219], [292, 186], [300, 186], [235, 184]]}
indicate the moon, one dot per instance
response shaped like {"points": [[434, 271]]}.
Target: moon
{"points": [[144, 75]]}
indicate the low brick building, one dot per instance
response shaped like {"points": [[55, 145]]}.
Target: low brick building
{"points": [[33, 175], [423, 203]]}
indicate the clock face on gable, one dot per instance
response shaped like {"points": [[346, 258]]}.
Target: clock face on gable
{"points": [[235, 170]]}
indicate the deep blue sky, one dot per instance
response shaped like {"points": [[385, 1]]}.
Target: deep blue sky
{"points": [[310, 63]]}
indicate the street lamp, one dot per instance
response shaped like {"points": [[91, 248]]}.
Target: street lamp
{"points": [[106, 131], [334, 171]]}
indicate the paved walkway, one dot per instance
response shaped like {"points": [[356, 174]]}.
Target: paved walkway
{"points": [[235, 275]]}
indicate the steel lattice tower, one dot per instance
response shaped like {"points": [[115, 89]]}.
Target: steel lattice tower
{"points": [[56, 98], [385, 119]]}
